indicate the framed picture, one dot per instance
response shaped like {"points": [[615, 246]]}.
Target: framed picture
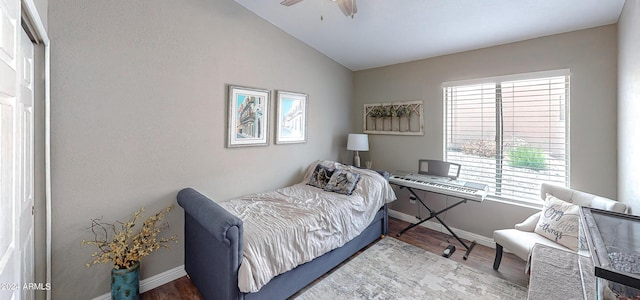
{"points": [[291, 122], [248, 116]]}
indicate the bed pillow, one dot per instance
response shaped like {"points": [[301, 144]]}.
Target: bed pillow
{"points": [[559, 222], [342, 182], [320, 176]]}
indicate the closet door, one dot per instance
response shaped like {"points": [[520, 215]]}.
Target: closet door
{"points": [[9, 166]]}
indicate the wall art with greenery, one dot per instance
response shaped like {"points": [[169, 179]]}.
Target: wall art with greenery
{"points": [[396, 118]]}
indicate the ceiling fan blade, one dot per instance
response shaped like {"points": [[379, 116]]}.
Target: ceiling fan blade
{"points": [[289, 2], [348, 7]]}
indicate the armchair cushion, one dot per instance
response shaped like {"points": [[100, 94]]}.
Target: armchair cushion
{"points": [[520, 242]]}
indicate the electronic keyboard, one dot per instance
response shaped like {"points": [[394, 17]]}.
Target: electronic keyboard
{"points": [[441, 185]]}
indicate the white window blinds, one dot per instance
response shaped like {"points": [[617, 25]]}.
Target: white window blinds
{"points": [[510, 132]]}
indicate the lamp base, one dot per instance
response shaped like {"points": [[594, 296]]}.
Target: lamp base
{"points": [[356, 160]]}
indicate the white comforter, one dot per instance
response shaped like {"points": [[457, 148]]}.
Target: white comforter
{"points": [[293, 225]]}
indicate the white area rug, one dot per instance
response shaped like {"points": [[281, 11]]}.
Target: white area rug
{"points": [[392, 269]]}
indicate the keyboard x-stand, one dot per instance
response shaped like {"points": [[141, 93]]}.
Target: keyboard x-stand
{"points": [[440, 185]]}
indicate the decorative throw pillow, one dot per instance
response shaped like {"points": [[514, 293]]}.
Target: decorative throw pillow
{"points": [[559, 222], [320, 176], [342, 182]]}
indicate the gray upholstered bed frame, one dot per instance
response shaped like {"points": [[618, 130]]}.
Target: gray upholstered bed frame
{"points": [[213, 251]]}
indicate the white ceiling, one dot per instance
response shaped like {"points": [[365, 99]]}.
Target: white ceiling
{"points": [[386, 32]]}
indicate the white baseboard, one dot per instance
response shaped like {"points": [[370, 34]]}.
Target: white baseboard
{"points": [[154, 281], [479, 239]]}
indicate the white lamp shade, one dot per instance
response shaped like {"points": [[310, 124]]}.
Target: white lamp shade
{"points": [[358, 142]]}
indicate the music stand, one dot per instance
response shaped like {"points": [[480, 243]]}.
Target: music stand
{"points": [[439, 168]]}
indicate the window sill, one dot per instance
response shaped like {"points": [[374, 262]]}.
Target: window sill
{"points": [[520, 203]]}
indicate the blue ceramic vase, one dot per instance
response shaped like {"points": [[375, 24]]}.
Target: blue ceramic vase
{"points": [[125, 283]]}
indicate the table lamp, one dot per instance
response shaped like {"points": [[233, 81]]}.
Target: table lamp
{"points": [[357, 142]]}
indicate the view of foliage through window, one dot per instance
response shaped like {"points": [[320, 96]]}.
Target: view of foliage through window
{"points": [[509, 134]]}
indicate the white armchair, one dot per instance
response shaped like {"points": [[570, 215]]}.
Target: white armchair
{"points": [[520, 240]]}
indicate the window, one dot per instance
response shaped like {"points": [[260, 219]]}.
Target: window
{"points": [[510, 132]]}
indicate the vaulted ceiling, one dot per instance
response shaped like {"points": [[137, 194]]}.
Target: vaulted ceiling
{"points": [[385, 32]]}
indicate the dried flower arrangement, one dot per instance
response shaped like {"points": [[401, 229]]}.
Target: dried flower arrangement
{"points": [[123, 244]]}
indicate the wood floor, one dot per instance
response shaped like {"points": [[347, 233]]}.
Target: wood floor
{"points": [[481, 258]]}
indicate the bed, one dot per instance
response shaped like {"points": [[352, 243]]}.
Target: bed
{"points": [[270, 245]]}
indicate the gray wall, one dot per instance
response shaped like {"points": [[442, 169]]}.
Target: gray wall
{"points": [[139, 112], [590, 55], [629, 105], [43, 7]]}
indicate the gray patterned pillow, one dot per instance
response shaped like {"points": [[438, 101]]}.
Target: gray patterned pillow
{"points": [[342, 182], [320, 176]]}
